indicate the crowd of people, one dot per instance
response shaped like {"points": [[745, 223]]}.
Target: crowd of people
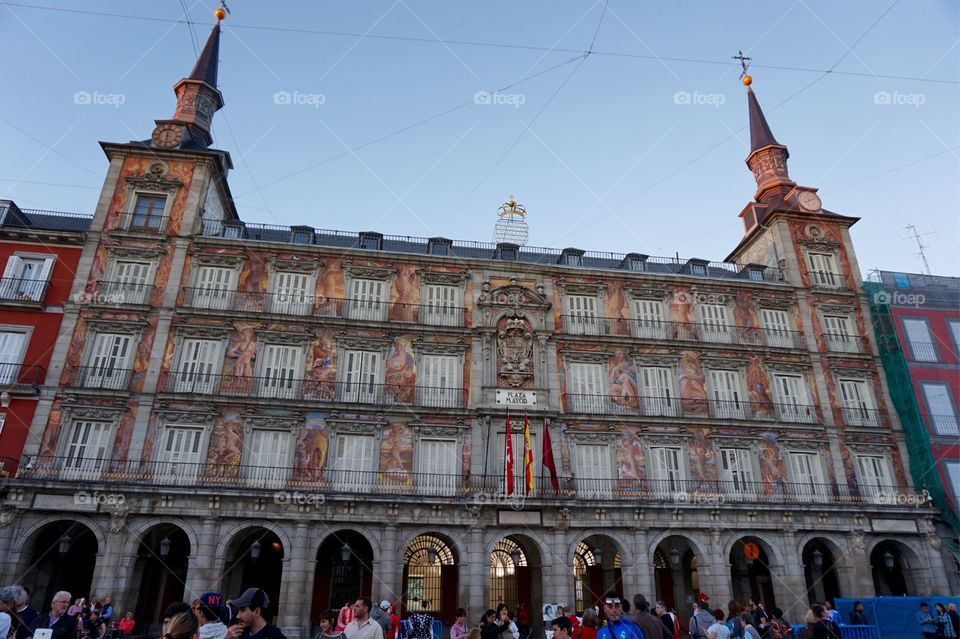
{"points": [[81, 618]]}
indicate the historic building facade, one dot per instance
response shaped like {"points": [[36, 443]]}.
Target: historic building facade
{"points": [[323, 413]]}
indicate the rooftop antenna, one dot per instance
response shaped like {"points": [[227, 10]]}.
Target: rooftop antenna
{"points": [[916, 237], [512, 226]]}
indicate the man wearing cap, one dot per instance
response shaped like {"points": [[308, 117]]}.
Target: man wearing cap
{"points": [[251, 623], [382, 616], [362, 626], [617, 627], [210, 616]]}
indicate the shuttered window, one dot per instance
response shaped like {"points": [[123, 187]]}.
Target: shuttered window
{"points": [[586, 390], [442, 305], [353, 462], [581, 317], [214, 287], [281, 371], [360, 375], [179, 460], [726, 395], [439, 381], [792, 401], [736, 471], [823, 270], [291, 293], [594, 471], [109, 362], [129, 282], [437, 466], [268, 458], [776, 327], [716, 323], [857, 403], [666, 472], [649, 322], [367, 300], [656, 385], [11, 355], [807, 475], [200, 363], [87, 449]]}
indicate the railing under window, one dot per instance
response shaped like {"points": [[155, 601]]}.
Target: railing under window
{"points": [[285, 386], [945, 424], [827, 279], [22, 290], [862, 416], [843, 343], [662, 406], [142, 223], [682, 331], [17, 374], [100, 377], [123, 293], [923, 351], [303, 304], [313, 484]]}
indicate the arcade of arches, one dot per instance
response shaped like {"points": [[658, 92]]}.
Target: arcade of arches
{"points": [[308, 568]]}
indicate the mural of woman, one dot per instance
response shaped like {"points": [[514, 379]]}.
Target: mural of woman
{"points": [[615, 308], [773, 470], [745, 318], [312, 446], [323, 371], [623, 382], [693, 385], [401, 373], [631, 461], [683, 315], [226, 445], [405, 294], [703, 461], [254, 277], [241, 350], [758, 385], [397, 454]]}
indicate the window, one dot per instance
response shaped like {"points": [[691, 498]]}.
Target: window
{"points": [[902, 280], [437, 466], [874, 480], [726, 395], [439, 246], [698, 269], [953, 473], [442, 305], [838, 335], [755, 274], [823, 270], [108, 365], [302, 237], [353, 462], [201, 361], [793, 404], [666, 472], [954, 327], [921, 343], [581, 317], [12, 345], [128, 283], [943, 416], [148, 212], [857, 403], [214, 287], [656, 390], [586, 391], [594, 471], [371, 241], [281, 371], [806, 474], [571, 259], [268, 458], [87, 447], [360, 374], [25, 278], [776, 328], [636, 264], [180, 456], [649, 319], [368, 301], [292, 293], [716, 323], [736, 472], [439, 381]]}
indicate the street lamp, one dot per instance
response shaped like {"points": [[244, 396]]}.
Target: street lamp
{"points": [[164, 547], [888, 560], [675, 557], [345, 553], [597, 555], [255, 550], [431, 555], [516, 555], [817, 558], [64, 544]]}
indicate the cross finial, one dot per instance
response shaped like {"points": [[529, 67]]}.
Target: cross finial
{"points": [[743, 62]]}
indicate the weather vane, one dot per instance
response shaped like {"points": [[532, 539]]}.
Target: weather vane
{"points": [[746, 79], [222, 11]]}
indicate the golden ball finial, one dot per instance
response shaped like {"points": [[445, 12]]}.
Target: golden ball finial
{"points": [[747, 80], [220, 13]]}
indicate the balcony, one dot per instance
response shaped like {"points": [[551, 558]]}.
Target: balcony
{"points": [[945, 425], [13, 289], [311, 390], [843, 343], [120, 293], [14, 375], [663, 406], [303, 305], [682, 331], [104, 377], [142, 223], [923, 351], [826, 279], [862, 416], [317, 484]]}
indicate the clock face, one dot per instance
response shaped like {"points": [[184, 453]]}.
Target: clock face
{"points": [[809, 201], [167, 136]]}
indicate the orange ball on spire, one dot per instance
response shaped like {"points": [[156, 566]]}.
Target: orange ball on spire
{"points": [[747, 80], [220, 13]]}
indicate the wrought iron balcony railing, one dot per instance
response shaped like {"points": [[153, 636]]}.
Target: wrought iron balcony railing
{"points": [[923, 351], [303, 304], [14, 374], [285, 386], [123, 293], [297, 485], [142, 223], [682, 331], [862, 416], [664, 406], [22, 290], [100, 377], [843, 343], [826, 279], [945, 425]]}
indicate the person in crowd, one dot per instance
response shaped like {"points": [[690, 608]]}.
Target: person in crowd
{"points": [[734, 609], [328, 626], [23, 616], [954, 617], [746, 623], [7, 603], [345, 616], [718, 630], [395, 623], [93, 626], [832, 613], [651, 625], [589, 626], [562, 628], [172, 611], [489, 628], [943, 623], [62, 625], [363, 626], [459, 628], [76, 607], [617, 627], [127, 624], [701, 620], [508, 629], [381, 614], [926, 622], [669, 619], [523, 620], [106, 611], [210, 614], [858, 617], [251, 622], [761, 618], [570, 614], [778, 626], [824, 628], [183, 625]]}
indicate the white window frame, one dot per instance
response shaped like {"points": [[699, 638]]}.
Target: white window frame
{"points": [[943, 424], [188, 377], [874, 486], [288, 300], [857, 402], [276, 472], [590, 480], [288, 360], [582, 314], [586, 395], [368, 388], [124, 292], [77, 464], [445, 395], [649, 319], [13, 286], [132, 209], [793, 398], [777, 327], [664, 481], [180, 471], [362, 304], [838, 333], [210, 297], [658, 395], [727, 402], [716, 323], [738, 472], [441, 304], [345, 475], [921, 350], [826, 274], [810, 483], [11, 362], [103, 369], [429, 480]]}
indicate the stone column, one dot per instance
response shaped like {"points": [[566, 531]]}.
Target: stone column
{"points": [[386, 582], [558, 578], [476, 577], [715, 581], [790, 585], [293, 617], [112, 570], [201, 568]]}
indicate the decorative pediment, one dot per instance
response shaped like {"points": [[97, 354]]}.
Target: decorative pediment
{"points": [[443, 277], [363, 343], [310, 264], [642, 359], [204, 332], [137, 252], [513, 296], [106, 413], [850, 371], [801, 444], [837, 309], [774, 303], [647, 292], [590, 436], [111, 325], [736, 442], [591, 357], [868, 449], [437, 430], [819, 245], [230, 260], [170, 417], [369, 272], [283, 337], [722, 363], [786, 367], [581, 289], [272, 423], [433, 348], [155, 179], [676, 439], [357, 428]]}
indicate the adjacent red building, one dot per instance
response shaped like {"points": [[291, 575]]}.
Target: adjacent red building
{"points": [[39, 253]]}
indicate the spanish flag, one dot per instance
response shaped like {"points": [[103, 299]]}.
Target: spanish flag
{"points": [[508, 457], [527, 457]]}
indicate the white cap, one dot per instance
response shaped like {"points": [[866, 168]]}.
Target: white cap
{"points": [[384, 605]]}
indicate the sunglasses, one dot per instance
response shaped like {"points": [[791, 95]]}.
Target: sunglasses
{"points": [[612, 602]]}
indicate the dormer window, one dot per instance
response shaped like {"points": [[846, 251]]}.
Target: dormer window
{"points": [[571, 257], [753, 272], [695, 267], [634, 262], [371, 241], [439, 246], [506, 252], [234, 229], [301, 234]]}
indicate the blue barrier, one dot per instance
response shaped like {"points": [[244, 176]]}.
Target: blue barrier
{"points": [[436, 629], [859, 632], [892, 617]]}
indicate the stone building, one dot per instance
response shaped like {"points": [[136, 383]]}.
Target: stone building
{"points": [[323, 413]]}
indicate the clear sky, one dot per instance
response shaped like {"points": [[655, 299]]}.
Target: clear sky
{"points": [[365, 115]]}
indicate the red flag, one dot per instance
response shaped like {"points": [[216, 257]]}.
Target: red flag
{"points": [[547, 458], [509, 458], [527, 457]]}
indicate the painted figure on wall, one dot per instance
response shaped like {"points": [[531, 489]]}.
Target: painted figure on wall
{"points": [[141, 359], [631, 460], [758, 386], [773, 469], [312, 445], [121, 443], [616, 308], [51, 436], [396, 454], [401, 372], [703, 460], [745, 317], [226, 445], [693, 385], [682, 314], [466, 458], [405, 294], [241, 350], [849, 468], [321, 366], [330, 289], [623, 382], [254, 276]]}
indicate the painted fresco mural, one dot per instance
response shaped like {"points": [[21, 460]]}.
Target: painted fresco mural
{"points": [[225, 450], [405, 294], [693, 384], [758, 386], [396, 455], [703, 460], [138, 166], [631, 459], [124, 433], [622, 377], [804, 232], [400, 378], [773, 467], [312, 449]]}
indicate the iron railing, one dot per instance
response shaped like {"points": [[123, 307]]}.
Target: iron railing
{"points": [[303, 304], [285, 386], [22, 290], [682, 331], [296, 484], [142, 223], [123, 293], [665, 406], [17, 374], [843, 343], [923, 351], [945, 424], [103, 377], [826, 279], [862, 416]]}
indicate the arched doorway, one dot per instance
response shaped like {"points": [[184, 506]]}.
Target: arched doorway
{"points": [[344, 572], [160, 570], [430, 578], [675, 571], [255, 560], [515, 575], [62, 556], [750, 572], [596, 569], [820, 571], [892, 564]]}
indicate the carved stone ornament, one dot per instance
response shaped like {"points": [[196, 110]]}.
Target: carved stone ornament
{"points": [[436, 430], [102, 325], [272, 423], [204, 332], [581, 289], [801, 444], [7, 515], [118, 520], [590, 436], [106, 413], [171, 417], [433, 348], [283, 337], [512, 296], [218, 259], [736, 442], [155, 179], [662, 361], [305, 265], [357, 428], [362, 343], [774, 303], [444, 277], [867, 449], [647, 292], [137, 252], [586, 357], [666, 440], [369, 272], [835, 309], [846, 372], [722, 364], [787, 367], [821, 245], [857, 540], [515, 347]]}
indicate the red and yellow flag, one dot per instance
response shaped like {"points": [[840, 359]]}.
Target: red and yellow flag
{"points": [[527, 457], [508, 457]]}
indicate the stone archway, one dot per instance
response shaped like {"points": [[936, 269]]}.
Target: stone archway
{"points": [[597, 568], [159, 573], [430, 577], [60, 555], [752, 577], [515, 575], [344, 571], [254, 559], [893, 565], [820, 570], [675, 571]]}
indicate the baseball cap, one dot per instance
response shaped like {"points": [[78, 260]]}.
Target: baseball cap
{"points": [[384, 605], [211, 599], [252, 598]]}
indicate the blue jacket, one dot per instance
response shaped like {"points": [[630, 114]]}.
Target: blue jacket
{"points": [[622, 629]]}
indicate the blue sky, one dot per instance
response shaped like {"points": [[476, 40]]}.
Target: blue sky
{"points": [[638, 146]]}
